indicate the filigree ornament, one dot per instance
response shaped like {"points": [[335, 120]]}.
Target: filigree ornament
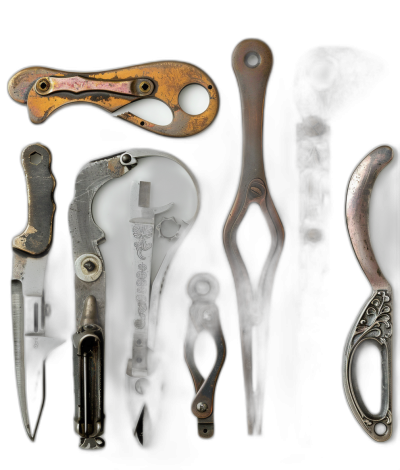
{"points": [[141, 232], [315, 153], [375, 323]]}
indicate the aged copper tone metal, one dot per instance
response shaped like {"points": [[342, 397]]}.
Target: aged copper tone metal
{"points": [[252, 63], [45, 90], [375, 321], [203, 289], [29, 309]]}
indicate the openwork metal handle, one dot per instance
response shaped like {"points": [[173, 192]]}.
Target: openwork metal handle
{"points": [[203, 289], [45, 90], [375, 322], [252, 63]]}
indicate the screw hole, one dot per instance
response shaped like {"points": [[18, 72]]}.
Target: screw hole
{"points": [[210, 87], [252, 59], [138, 360], [380, 429], [42, 85], [142, 123], [203, 287], [35, 158], [145, 87], [205, 431]]}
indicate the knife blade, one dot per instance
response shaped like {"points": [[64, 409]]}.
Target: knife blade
{"points": [[374, 324], [31, 248]]}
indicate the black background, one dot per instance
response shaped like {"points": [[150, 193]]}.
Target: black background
{"points": [[78, 134]]}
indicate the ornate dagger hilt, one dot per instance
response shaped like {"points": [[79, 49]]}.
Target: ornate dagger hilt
{"points": [[252, 64], [375, 321], [203, 290]]}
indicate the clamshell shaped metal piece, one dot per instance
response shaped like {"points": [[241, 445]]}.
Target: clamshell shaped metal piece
{"points": [[45, 90], [375, 323]]}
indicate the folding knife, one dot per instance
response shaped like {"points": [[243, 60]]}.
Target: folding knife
{"points": [[29, 310], [203, 289], [375, 321], [144, 375], [90, 298], [252, 63], [44, 90]]}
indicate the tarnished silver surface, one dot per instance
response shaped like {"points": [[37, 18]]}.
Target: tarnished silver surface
{"points": [[29, 310], [90, 297], [375, 321]]}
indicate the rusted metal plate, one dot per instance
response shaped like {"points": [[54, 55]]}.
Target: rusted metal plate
{"points": [[45, 90]]}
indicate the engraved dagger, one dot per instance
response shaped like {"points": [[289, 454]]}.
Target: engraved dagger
{"points": [[151, 257], [31, 248], [375, 321]]}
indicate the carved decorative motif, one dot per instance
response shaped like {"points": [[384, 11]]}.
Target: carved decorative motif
{"points": [[142, 232], [376, 321], [141, 299]]}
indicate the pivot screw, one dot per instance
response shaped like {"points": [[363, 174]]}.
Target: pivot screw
{"points": [[126, 158], [202, 407], [208, 314], [90, 266]]}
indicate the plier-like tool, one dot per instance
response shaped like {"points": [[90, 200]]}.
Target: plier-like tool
{"points": [[252, 64]]}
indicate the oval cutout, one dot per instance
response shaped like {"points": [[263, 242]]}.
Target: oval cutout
{"points": [[205, 353], [151, 110], [194, 99]]}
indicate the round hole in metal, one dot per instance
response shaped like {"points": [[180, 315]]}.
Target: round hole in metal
{"points": [[252, 59]]}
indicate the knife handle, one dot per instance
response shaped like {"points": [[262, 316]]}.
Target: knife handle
{"points": [[45, 90], [374, 324], [203, 289], [37, 237]]}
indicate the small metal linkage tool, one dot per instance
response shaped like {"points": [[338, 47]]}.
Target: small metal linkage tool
{"points": [[45, 90], [90, 298], [252, 63], [144, 381], [203, 289], [375, 321], [29, 310]]}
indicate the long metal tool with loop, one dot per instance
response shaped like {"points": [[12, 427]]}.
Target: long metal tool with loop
{"points": [[375, 321], [252, 63]]}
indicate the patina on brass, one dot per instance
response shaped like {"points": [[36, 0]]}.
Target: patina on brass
{"points": [[37, 237], [375, 322], [252, 64], [45, 90]]}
